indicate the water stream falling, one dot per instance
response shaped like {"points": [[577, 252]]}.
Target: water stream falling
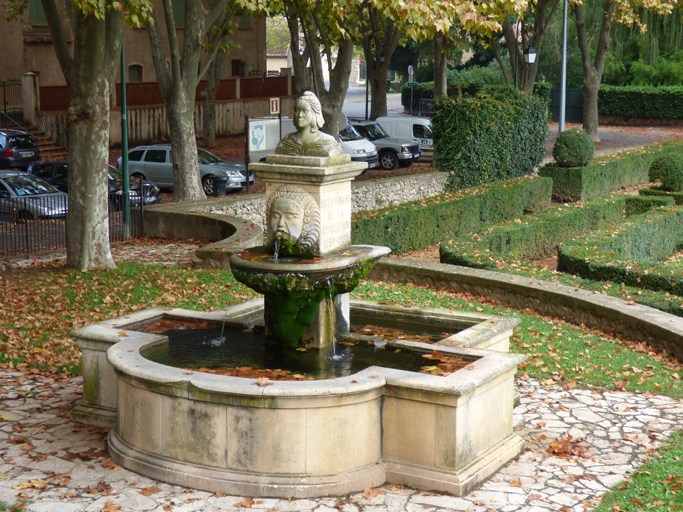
{"points": [[276, 247]]}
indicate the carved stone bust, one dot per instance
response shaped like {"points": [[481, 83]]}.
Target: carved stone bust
{"points": [[293, 218], [308, 140]]}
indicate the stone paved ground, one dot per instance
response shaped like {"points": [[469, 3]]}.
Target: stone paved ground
{"points": [[579, 443]]}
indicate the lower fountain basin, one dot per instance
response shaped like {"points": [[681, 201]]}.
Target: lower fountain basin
{"points": [[303, 439], [301, 294]]}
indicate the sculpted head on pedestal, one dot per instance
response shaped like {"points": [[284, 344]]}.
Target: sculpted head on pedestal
{"points": [[308, 140]]}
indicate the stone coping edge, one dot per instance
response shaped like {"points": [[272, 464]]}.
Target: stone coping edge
{"points": [[124, 356], [595, 310]]}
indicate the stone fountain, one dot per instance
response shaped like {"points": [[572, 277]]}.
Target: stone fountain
{"points": [[308, 265], [305, 438]]}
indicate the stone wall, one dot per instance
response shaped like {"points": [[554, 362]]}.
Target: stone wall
{"points": [[367, 195]]}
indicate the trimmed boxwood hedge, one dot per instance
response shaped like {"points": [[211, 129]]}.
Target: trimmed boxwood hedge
{"points": [[607, 174], [641, 102], [420, 224], [533, 235], [489, 137], [676, 197], [629, 252]]}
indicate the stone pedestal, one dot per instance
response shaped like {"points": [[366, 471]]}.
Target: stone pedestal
{"points": [[327, 182]]}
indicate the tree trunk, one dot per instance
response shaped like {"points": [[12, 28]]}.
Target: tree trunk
{"points": [[378, 92], [187, 185], [208, 95], [440, 80], [88, 81], [592, 71], [591, 86]]}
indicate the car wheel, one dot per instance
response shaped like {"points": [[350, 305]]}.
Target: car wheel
{"points": [[388, 161], [207, 185], [137, 176], [405, 163]]}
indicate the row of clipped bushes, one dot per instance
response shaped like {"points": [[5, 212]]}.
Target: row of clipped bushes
{"points": [[419, 224], [641, 102], [631, 252], [454, 89], [538, 235], [489, 137], [603, 175]]}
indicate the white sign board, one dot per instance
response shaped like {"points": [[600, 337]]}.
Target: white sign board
{"points": [[274, 106], [264, 134]]}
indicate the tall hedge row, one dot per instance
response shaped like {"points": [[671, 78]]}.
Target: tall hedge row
{"points": [[489, 137], [641, 102], [420, 224]]}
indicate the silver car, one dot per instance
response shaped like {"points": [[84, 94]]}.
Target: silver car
{"points": [[24, 197], [155, 164]]}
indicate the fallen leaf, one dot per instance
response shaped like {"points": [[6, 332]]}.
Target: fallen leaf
{"points": [[148, 491]]}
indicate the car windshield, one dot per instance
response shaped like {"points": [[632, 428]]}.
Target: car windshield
{"points": [[371, 131], [349, 133], [22, 142], [422, 132], [207, 158], [114, 174], [27, 185]]}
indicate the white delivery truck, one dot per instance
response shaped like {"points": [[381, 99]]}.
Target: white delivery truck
{"points": [[410, 127], [266, 132]]}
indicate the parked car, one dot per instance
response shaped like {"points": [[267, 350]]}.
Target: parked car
{"points": [[410, 127], [26, 197], [360, 148], [18, 149], [392, 151], [354, 144], [56, 174], [155, 164]]}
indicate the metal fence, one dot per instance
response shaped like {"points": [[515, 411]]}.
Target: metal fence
{"points": [[30, 226], [10, 99], [574, 105]]}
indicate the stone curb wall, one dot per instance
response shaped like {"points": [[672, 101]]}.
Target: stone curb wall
{"points": [[367, 195], [610, 314]]}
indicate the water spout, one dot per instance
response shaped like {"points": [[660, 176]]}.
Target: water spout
{"points": [[276, 247]]}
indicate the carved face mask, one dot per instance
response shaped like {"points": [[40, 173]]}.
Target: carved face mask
{"points": [[287, 216]]}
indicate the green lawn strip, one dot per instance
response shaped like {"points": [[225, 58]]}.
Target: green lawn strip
{"points": [[40, 309], [567, 354], [657, 486], [19, 507]]}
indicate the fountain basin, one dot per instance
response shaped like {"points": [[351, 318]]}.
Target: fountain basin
{"points": [[302, 295], [305, 439]]}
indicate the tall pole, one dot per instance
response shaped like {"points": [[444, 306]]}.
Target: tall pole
{"points": [[124, 147], [563, 76], [517, 56]]}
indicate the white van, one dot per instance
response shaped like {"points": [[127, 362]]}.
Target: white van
{"points": [[360, 149], [410, 127]]}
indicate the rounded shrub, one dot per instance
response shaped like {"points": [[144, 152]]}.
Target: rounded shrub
{"points": [[573, 148], [668, 169]]}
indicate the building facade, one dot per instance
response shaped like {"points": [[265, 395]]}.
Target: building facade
{"points": [[27, 46]]}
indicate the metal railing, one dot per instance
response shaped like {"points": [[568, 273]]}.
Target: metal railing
{"points": [[35, 225], [58, 133], [425, 107], [8, 121]]}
